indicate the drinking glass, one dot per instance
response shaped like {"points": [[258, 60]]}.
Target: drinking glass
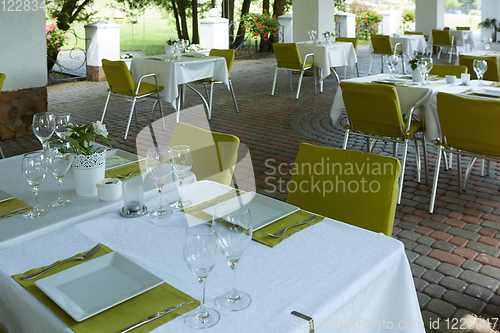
{"points": [[43, 126], [480, 67], [158, 166], [182, 161], [200, 255], [487, 42], [233, 226], [422, 67], [59, 158], [34, 168], [392, 61], [428, 67], [312, 35], [61, 121]]}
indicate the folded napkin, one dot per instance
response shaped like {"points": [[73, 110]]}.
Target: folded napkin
{"points": [[408, 77], [398, 84], [124, 170], [261, 236], [121, 315], [13, 204], [494, 84], [198, 209]]}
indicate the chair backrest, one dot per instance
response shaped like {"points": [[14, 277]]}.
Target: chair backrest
{"points": [[413, 33], [441, 37], [492, 73], [214, 154], [228, 54], [119, 77], [2, 79], [442, 70], [463, 28], [373, 108], [470, 124], [287, 55], [353, 40], [340, 175], [381, 44]]}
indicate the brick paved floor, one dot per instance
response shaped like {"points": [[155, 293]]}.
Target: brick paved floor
{"points": [[454, 253]]}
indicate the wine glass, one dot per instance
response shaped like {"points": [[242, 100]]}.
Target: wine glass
{"points": [[428, 67], [43, 126], [392, 61], [61, 121], [201, 254], [422, 67], [487, 42], [480, 67], [33, 169], [182, 161], [233, 226], [59, 158], [158, 167]]}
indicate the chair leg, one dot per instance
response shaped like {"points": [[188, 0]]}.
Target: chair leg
{"points": [[403, 166], [210, 100], [439, 52], [345, 72], [395, 149], [105, 107], [130, 118], [459, 173], [346, 137], [315, 81], [426, 163], [435, 182], [468, 172], [300, 83], [482, 168], [417, 159], [370, 68], [290, 79], [382, 64], [206, 90], [234, 97], [1, 153], [357, 70], [451, 53], [161, 110], [274, 82]]}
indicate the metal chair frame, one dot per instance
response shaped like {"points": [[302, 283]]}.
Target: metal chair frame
{"points": [[382, 57], [302, 70], [442, 46]]}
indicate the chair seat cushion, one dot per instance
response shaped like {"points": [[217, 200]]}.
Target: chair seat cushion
{"points": [[147, 88]]}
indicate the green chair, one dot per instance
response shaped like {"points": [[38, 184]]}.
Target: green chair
{"points": [[469, 126], [229, 55], [288, 58], [382, 46], [354, 42], [340, 192], [122, 84], [442, 70], [214, 154], [442, 39], [2, 79], [414, 33], [492, 73], [463, 28], [374, 112]]}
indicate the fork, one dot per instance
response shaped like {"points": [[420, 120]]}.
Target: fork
{"points": [[281, 233], [86, 256], [127, 175]]}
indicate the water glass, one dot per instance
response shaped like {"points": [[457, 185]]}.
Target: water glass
{"points": [[487, 42], [43, 126], [182, 161], [61, 121], [33, 168], [428, 67], [480, 67], [59, 159], [392, 61], [158, 167]]}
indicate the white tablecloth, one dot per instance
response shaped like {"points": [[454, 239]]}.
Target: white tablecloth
{"points": [[408, 97], [410, 44], [173, 73], [330, 271], [463, 38]]}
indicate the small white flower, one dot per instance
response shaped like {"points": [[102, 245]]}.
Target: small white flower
{"points": [[68, 130], [100, 128]]}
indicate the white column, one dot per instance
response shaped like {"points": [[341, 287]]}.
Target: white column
{"points": [[347, 22], [316, 15], [103, 43], [214, 31], [430, 15], [286, 28], [489, 9]]}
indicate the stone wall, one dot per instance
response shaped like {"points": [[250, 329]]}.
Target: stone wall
{"points": [[95, 74], [17, 109]]}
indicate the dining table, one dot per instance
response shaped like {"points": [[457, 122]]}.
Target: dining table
{"points": [[411, 44], [342, 276], [174, 74], [329, 56]]}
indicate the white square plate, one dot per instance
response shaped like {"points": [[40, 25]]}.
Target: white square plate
{"points": [[97, 285], [488, 92], [263, 210], [4, 196], [116, 158]]}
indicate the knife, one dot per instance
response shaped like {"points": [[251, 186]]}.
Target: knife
{"points": [[13, 211], [214, 202], [153, 317]]}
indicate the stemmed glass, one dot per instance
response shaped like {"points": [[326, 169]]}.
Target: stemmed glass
{"points": [[233, 226], [480, 67], [158, 167], [34, 168], [428, 67], [43, 126], [61, 121], [422, 68], [200, 255], [312, 35], [59, 158], [182, 161], [487, 42], [392, 61]]}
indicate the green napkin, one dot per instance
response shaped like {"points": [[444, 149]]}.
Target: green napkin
{"points": [[121, 315], [480, 94], [193, 210], [13, 204], [125, 170], [261, 236], [398, 84]]}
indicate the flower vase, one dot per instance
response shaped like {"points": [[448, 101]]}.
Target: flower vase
{"points": [[416, 76], [88, 170]]}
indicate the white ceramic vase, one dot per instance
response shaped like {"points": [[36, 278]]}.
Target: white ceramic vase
{"points": [[416, 76], [88, 170]]}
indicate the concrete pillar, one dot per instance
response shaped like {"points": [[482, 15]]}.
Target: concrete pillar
{"points": [[214, 31], [316, 15], [347, 22], [286, 28], [430, 15], [489, 9], [103, 42]]}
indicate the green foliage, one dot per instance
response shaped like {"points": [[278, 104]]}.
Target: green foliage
{"points": [[68, 11], [82, 138], [408, 16], [55, 37], [367, 19], [260, 25], [340, 5], [488, 24]]}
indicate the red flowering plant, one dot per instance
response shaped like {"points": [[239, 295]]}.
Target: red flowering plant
{"points": [[55, 39], [369, 18], [408, 18], [260, 25]]}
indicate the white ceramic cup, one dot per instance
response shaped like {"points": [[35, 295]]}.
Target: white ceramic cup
{"points": [[465, 78], [450, 79], [109, 189]]}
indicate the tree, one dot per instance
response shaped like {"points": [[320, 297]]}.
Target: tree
{"points": [[68, 11]]}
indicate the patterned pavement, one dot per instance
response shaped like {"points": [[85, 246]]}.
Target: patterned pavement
{"points": [[454, 253]]}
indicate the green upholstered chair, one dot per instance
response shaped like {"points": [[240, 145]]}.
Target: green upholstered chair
{"points": [[2, 79], [229, 55], [214, 154], [374, 112], [122, 84], [492, 73], [469, 126], [288, 58], [382, 46], [341, 191], [413, 33], [442, 39], [354, 42], [463, 28], [442, 70]]}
